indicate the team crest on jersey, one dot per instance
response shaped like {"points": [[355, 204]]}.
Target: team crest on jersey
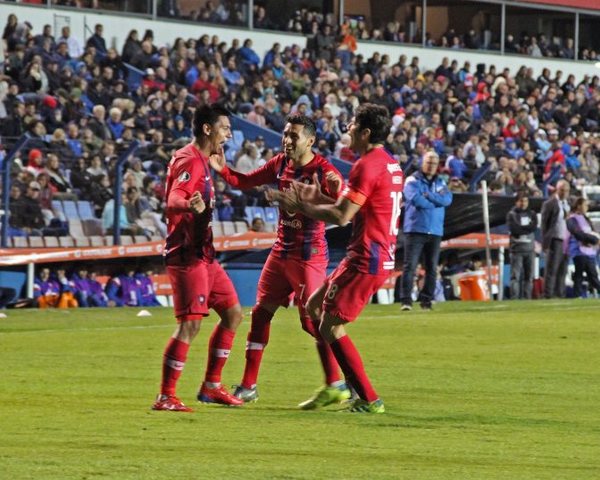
{"points": [[184, 177]]}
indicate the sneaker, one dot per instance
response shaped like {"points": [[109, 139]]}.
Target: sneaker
{"points": [[326, 396], [406, 307], [170, 403], [362, 406], [426, 306], [218, 395], [247, 395]]}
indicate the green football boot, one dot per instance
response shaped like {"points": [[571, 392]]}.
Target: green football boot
{"points": [[326, 396]]}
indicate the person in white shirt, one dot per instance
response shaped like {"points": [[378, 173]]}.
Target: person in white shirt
{"points": [[75, 49]]}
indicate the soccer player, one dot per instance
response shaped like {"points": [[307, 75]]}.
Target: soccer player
{"points": [[198, 281], [298, 260], [373, 199]]}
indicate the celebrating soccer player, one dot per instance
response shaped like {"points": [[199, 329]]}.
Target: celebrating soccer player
{"points": [[373, 199], [298, 260], [198, 281]]}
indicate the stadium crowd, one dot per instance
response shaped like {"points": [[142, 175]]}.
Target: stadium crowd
{"points": [[74, 101]]}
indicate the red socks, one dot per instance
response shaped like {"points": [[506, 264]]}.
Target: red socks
{"points": [[349, 359], [330, 364], [173, 362], [219, 347], [258, 337]]}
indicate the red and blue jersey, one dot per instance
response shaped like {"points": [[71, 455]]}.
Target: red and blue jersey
{"points": [[189, 235], [298, 236], [375, 183]]}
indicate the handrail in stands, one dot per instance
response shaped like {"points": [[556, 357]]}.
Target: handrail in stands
{"points": [[6, 164], [119, 190], [478, 175]]}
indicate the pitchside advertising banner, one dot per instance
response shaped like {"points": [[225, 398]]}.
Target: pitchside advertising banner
{"points": [[587, 4]]}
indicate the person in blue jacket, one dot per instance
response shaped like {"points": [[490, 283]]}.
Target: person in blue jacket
{"points": [[426, 197]]}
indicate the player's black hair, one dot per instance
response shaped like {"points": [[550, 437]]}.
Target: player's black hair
{"points": [[209, 115], [310, 129], [376, 118]]}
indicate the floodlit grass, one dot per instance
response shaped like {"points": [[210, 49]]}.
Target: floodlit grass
{"points": [[472, 391]]}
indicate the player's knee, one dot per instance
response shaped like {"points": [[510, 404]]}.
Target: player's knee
{"points": [[232, 317], [313, 309]]}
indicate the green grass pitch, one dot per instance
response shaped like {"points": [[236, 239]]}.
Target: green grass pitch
{"points": [[472, 391]]}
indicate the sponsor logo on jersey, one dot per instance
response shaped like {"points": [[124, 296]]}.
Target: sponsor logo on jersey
{"points": [[184, 177], [393, 168], [295, 223]]}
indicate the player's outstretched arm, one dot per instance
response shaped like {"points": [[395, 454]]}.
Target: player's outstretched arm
{"points": [[178, 203]]}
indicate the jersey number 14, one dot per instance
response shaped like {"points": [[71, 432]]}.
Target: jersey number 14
{"points": [[396, 206]]}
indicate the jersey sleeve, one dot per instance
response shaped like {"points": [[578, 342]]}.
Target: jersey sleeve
{"points": [[329, 169], [185, 174], [263, 175], [361, 183]]}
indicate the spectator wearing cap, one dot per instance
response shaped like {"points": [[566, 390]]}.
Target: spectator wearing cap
{"points": [[35, 161]]}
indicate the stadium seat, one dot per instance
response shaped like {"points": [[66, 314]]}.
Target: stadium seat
{"points": [[156, 238], [241, 227], [97, 241], [36, 242], [140, 239], [217, 229], [127, 240], [70, 209], [228, 228], [20, 242], [92, 226], [82, 241], [270, 227], [271, 214], [253, 212], [51, 242], [108, 240], [75, 228], [66, 242], [58, 208], [86, 211]]}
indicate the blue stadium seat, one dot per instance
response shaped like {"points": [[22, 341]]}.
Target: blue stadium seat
{"points": [[57, 206], [70, 209], [253, 212], [234, 145], [86, 212], [271, 214]]}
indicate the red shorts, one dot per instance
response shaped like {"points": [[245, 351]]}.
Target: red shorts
{"points": [[282, 278], [348, 291], [200, 286]]}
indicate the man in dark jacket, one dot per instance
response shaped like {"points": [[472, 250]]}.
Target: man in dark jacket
{"points": [[522, 224], [554, 230]]}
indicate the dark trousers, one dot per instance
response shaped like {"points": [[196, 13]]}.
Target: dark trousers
{"points": [[521, 274], [587, 265], [416, 244], [556, 270]]}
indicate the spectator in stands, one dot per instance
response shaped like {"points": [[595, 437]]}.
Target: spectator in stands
{"points": [[249, 160], [97, 42], [554, 231], [73, 45], [522, 224], [60, 185], [425, 198], [582, 246], [258, 225], [126, 227], [139, 212]]}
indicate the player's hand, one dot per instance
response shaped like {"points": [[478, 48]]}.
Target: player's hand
{"points": [[289, 199], [217, 160], [308, 192], [197, 204], [334, 183]]}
